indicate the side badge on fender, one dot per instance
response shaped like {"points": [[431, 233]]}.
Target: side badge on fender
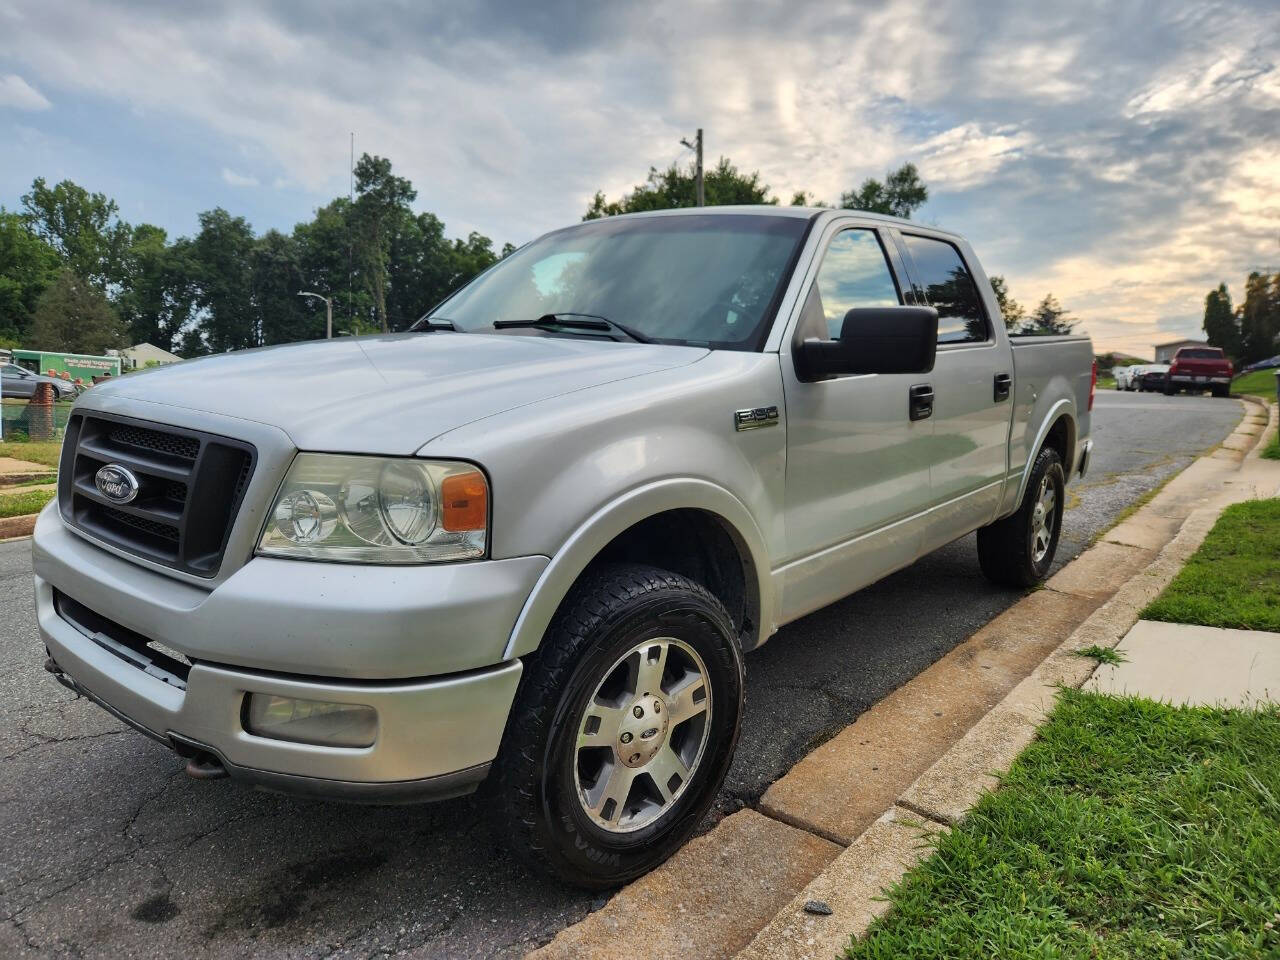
{"points": [[755, 418]]}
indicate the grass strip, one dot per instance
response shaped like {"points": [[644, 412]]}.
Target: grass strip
{"points": [[1261, 383], [28, 501], [45, 452], [1233, 580], [1129, 829]]}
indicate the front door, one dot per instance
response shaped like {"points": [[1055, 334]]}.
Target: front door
{"points": [[857, 465]]}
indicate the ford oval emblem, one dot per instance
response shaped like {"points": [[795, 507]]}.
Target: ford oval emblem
{"points": [[116, 483]]}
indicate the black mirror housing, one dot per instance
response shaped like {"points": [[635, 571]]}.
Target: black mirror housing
{"points": [[873, 340]]}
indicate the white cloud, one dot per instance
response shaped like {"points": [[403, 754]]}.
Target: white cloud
{"points": [[238, 179], [20, 95]]}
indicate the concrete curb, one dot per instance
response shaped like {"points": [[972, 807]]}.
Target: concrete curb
{"points": [[12, 527], [873, 796]]}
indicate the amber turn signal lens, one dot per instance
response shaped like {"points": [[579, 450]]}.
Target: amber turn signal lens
{"points": [[464, 502]]}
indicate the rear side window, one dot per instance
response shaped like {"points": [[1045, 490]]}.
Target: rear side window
{"points": [[1199, 353], [854, 273], [943, 281]]}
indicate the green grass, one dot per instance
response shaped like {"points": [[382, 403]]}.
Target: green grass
{"points": [[1106, 382], [28, 501], [1233, 580], [1102, 654], [44, 452], [1129, 829], [1272, 450], [33, 482], [1260, 383]]}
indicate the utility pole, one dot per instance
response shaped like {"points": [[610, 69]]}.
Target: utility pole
{"points": [[696, 147], [328, 311]]}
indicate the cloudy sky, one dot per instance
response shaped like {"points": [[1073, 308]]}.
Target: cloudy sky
{"points": [[1125, 156]]}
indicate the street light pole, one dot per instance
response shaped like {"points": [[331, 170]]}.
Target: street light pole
{"points": [[328, 311]]}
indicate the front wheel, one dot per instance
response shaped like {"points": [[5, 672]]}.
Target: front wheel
{"points": [[1018, 550], [623, 728]]}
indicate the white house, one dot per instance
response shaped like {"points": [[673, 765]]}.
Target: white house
{"points": [[144, 355]]}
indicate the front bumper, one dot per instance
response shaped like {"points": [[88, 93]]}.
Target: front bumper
{"points": [[435, 734]]}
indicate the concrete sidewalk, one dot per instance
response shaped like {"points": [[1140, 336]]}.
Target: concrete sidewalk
{"points": [[1183, 663]]}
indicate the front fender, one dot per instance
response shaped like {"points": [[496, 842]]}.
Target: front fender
{"points": [[586, 542]]}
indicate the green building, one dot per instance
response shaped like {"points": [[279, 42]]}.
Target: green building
{"points": [[78, 365]]}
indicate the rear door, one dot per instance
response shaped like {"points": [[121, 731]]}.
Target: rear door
{"points": [[972, 382]]}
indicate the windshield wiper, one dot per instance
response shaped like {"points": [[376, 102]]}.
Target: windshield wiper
{"points": [[429, 324], [574, 321]]}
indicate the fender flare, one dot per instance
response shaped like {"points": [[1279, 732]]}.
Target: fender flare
{"points": [[1046, 424], [617, 516]]}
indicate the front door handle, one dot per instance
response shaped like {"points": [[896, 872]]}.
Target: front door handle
{"points": [[1004, 383], [921, 406]]}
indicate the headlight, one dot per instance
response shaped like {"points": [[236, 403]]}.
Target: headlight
{"points": [[378, 510]]}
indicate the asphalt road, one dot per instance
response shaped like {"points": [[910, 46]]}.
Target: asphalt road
{"points": [[108, 849]]}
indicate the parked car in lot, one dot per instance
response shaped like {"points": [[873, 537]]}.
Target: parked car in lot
{"points": [[1151, 377], [18, 382], [1199, 369], [615, 462], [1127, 378]]}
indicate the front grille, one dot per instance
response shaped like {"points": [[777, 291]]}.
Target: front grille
{"points": [[190, 485]]}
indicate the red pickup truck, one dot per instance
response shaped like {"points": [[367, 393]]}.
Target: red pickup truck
{"points": [[1199, 368]]}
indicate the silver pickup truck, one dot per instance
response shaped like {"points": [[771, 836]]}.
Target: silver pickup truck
{"points": [[529, 542]]}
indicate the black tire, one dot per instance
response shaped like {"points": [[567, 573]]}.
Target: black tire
{"points": [[1170, 390], [534, 783], [1222, 391], [1006, 548]]}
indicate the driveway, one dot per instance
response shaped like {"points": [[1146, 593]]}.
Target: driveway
{"points": [[108, 849]]}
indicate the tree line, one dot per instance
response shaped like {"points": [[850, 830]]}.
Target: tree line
{"points": [[74, 276], [1250, 332]]}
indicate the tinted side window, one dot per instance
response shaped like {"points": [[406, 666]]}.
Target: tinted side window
{"points": [[854, 273], [949, 287]]}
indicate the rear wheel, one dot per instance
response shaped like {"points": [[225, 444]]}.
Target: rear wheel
{"points": [[1018, 550], [1222, 391], [623, 728]]}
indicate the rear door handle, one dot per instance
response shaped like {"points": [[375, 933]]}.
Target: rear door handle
{"points": [[921, 405], [1004, 383]]}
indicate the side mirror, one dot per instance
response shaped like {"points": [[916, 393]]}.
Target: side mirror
{"points": [[873, 340]]}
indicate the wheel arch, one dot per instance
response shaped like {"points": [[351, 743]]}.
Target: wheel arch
{"points": [[1057, 430], [691, 526]]}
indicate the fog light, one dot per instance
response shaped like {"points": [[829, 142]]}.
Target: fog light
{"points": [[310, 721]]}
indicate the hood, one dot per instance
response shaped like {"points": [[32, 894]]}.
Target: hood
{"points": [[391, 394]]}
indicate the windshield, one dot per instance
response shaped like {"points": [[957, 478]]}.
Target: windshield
{"points": [[708, 280]]}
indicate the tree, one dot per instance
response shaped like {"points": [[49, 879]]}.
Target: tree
{"points": [[160, 289], [1221, 326], [74, 316], [223, 255], [382, 203], [674, 187], [82, 227], [900, 194], [1013, 312], [276, 272], [1260, 317], [28, 267], [1048, 319]]}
